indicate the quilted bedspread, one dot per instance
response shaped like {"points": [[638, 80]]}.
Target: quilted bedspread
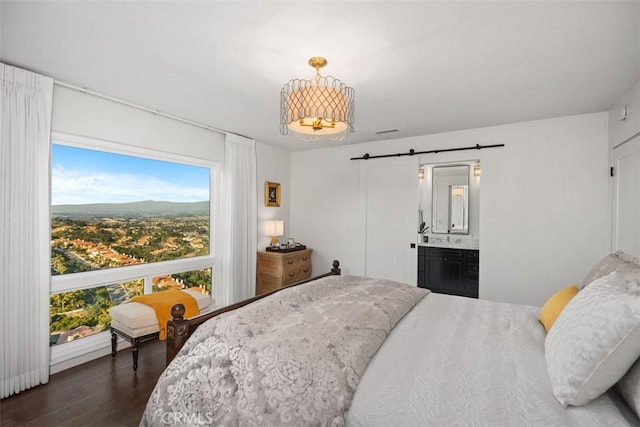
{"points": [[293, 358]]}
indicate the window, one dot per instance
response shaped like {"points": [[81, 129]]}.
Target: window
{"points": [[199, 280], [78, 314], [123, 222]]}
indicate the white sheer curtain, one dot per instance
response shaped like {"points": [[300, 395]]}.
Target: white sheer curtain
{"points": [[236, 224], [25, 127]]}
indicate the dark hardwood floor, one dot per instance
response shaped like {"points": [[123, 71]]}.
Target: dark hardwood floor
{"points": [[103, 392]]}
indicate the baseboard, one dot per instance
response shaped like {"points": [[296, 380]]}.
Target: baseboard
{"points": [[68, 355]]}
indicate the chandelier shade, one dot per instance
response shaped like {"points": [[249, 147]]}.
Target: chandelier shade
{"points": [[320, 108]]}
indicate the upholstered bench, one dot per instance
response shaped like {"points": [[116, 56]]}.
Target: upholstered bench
{"points": [[137, 322]]}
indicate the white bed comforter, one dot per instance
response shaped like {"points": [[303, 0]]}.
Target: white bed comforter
{"points": [[456, 361]]}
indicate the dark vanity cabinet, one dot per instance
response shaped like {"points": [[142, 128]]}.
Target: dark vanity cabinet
{"points": [[448, 270]]}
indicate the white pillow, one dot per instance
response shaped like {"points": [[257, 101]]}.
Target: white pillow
{"points": [[629, 387], [594, 341], [624, 264]]}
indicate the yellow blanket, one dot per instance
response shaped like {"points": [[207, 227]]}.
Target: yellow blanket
{"points": [[162, 302]]}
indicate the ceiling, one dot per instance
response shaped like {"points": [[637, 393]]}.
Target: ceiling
{"points": [[421, 67]]}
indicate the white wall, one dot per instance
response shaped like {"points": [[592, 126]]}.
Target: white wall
{"points": [[274, 165], [544, 212], [86, 115], [622, 130]]}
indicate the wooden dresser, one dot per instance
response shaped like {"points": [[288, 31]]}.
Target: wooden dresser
{"points": [[278, 269]]}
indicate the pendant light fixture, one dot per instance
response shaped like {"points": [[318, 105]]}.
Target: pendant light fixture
{"points": [[316, 109]]}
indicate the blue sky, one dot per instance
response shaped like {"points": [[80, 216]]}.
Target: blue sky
{"points": [[80, 176]]}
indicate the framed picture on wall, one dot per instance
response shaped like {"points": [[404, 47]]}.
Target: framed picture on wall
{"points": [[271, 194]]}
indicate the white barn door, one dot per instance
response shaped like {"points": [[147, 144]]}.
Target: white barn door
{"points": [[390, 193], [626, 197]]}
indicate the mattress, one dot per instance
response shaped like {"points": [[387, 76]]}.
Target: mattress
{"points": [[461, 361]]}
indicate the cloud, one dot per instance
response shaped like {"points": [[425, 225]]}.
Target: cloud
{"points": [[76, 186]]}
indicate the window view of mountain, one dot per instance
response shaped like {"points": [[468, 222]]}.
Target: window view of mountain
{"points": [[133, 209], [98, 236], [84, 238], [112, 210]]}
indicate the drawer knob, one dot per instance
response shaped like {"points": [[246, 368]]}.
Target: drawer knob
{"points": [[306, 270], [290, 261], [304, 258]]}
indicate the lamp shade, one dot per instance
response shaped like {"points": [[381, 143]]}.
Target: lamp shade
{"points": [[274, 228], [320, 108], [307, 102]]}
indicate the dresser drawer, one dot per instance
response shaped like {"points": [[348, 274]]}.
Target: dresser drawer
{"points": [[294, 260], [294, 275], [276, 270]]}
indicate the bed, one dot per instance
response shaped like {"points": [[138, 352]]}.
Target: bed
{"points": [[365, 352]]}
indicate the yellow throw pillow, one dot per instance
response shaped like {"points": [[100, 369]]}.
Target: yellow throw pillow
{"points": [[554, 306]]}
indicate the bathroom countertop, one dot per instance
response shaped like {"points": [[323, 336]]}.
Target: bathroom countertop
{"points": [[473, 245]]}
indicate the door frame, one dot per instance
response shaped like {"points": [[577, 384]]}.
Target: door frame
{"points": [[627, 148]]}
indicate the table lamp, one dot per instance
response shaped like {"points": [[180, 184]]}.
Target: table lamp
{"points": [[274, 229]]}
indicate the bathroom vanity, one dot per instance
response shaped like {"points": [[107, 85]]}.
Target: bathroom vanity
{"points": [[449, 269]]}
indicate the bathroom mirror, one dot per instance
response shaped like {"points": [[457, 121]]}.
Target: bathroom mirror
{"points": [[450, 199]]}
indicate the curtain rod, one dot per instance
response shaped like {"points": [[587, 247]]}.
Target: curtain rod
{"points": [[413, 152], [143, 108]]}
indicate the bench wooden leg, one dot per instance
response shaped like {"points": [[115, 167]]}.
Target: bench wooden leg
{"points": [[135, 342], [114, 343]]}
